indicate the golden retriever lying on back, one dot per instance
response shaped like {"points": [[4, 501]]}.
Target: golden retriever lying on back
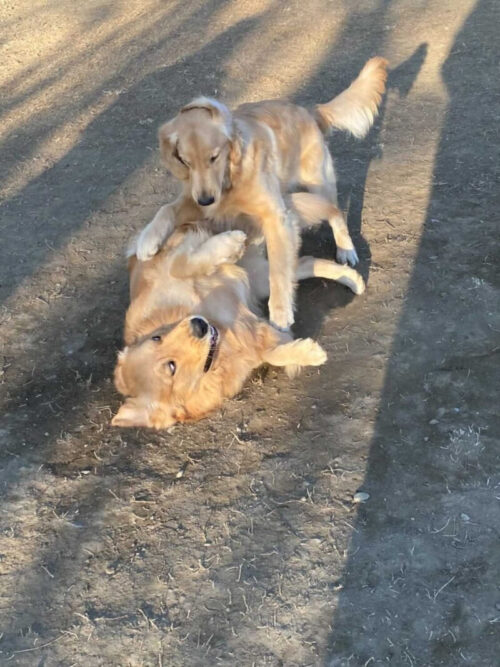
{"points": [[192, 334], [236, 166]]}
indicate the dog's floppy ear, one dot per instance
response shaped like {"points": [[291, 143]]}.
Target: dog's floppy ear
{"points": [[138, 413], [132, 413], [216, 109], [234, 159], [168, 138]]}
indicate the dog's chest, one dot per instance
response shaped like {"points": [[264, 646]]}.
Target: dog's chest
{"points": [[228, 218]]}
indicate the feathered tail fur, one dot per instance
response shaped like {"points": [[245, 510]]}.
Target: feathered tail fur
{"points": [[355, 109]]}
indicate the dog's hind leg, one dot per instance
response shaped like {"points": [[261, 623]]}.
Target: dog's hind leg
{"points": [[312, 267], [257, 268], [313, 208]]}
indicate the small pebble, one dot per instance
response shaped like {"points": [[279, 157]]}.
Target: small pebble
{"points": [[434, 421], [360, 497], [465, 517]]}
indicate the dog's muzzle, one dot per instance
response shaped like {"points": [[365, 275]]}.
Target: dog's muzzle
{"points": [[205, 200], [200, 328]]}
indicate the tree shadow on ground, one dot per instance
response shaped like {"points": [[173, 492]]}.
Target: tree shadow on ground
{"points": [[120, 461], [64, 196], [419, 585], [47, 407]]}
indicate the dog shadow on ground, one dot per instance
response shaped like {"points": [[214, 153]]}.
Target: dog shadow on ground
{"points": [[352, 162]]}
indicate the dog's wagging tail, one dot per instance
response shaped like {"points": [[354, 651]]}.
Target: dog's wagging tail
{"points": [[355, 109]]}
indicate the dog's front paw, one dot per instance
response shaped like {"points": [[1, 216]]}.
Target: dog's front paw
{"points": [[347, 256], [232, 246], [286, 335], [148, 243], [281, 317], [310, 353], [282, 321]]}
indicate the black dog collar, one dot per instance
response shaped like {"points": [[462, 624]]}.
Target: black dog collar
{"points": [[214, 339]]}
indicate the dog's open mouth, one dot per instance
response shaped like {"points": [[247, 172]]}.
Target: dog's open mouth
{"points": [[214, 339]]}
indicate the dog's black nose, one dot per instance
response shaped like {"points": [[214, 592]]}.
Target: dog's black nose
{"points": [[205, 200], [199, 327]]}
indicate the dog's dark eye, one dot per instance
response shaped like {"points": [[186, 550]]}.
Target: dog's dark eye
{"points": [[176, 155], [156, 339], [214, 157], [171, 366]]}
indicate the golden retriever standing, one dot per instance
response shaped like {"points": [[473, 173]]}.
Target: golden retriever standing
{"points": [[192, 334], [239, 166]]}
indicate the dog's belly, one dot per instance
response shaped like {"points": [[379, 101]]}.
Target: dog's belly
{"points": [[220, 294]]}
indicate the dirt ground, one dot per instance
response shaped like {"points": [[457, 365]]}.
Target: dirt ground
{"points": [[237, 541]]}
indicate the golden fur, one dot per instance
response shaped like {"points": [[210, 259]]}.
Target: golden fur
{"points": [[194, 283], [239, 169]]}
